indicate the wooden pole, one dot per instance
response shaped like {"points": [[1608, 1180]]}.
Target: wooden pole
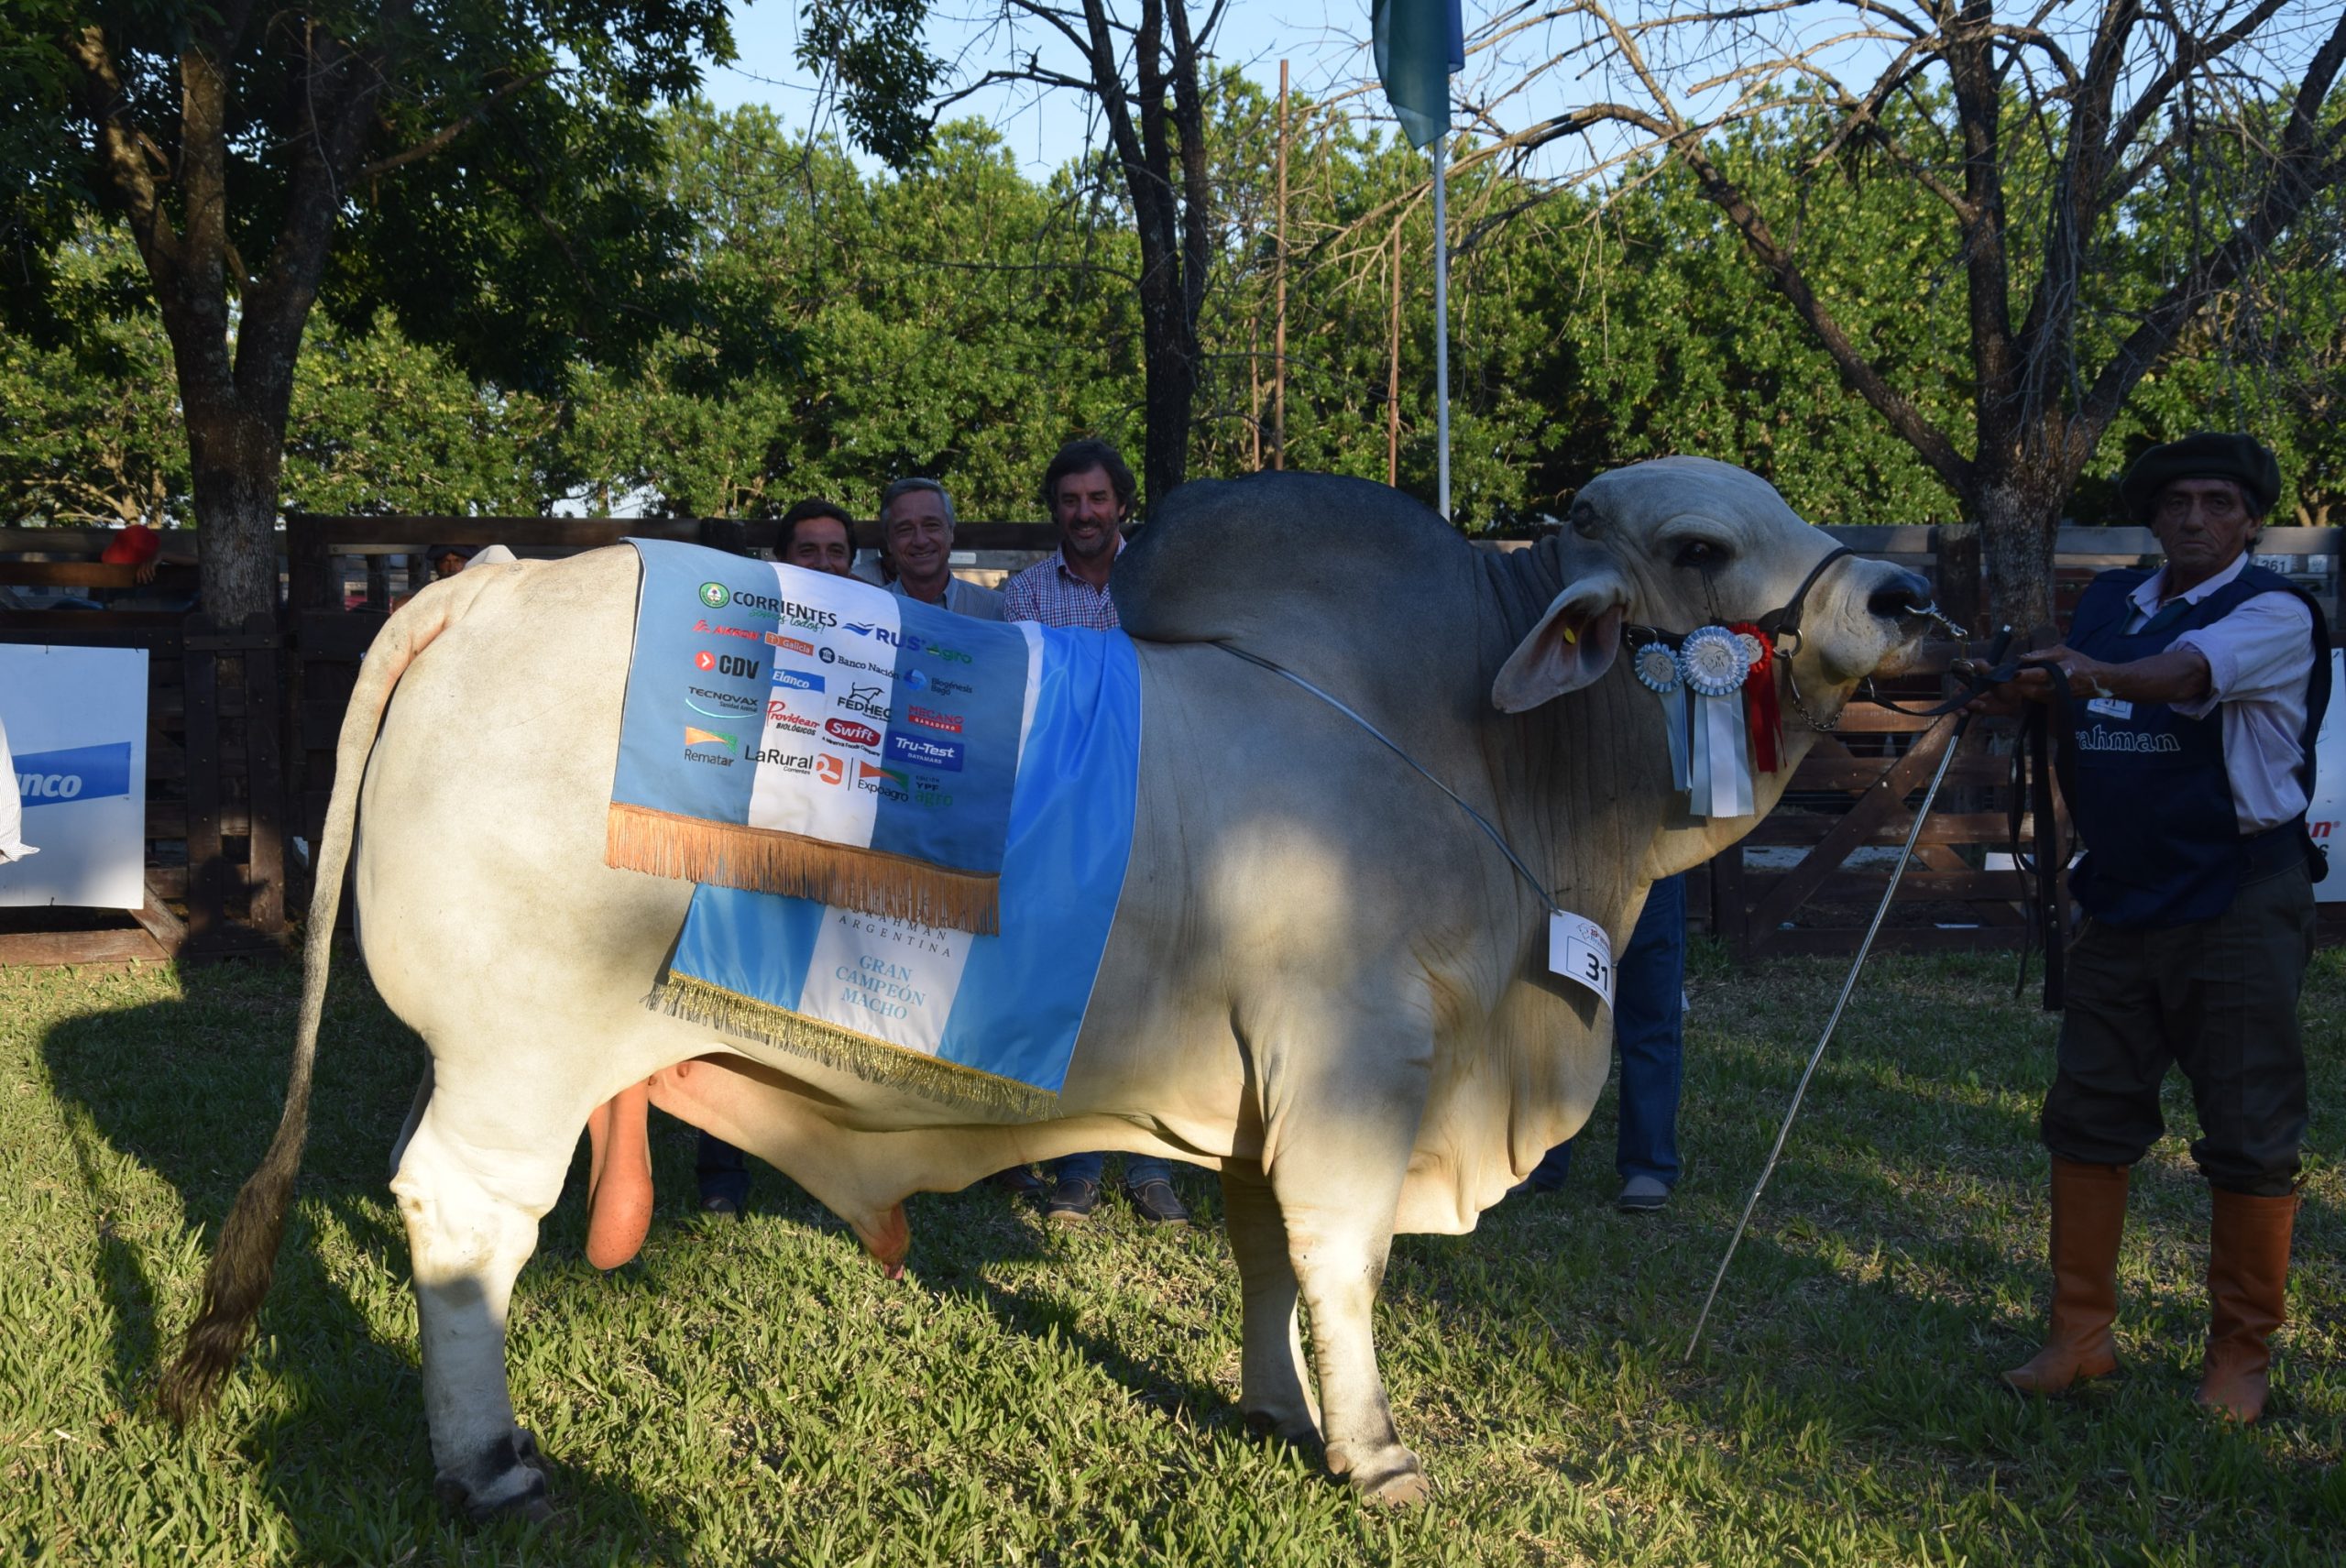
{"points": [[1279, 337], [1393, 374]]}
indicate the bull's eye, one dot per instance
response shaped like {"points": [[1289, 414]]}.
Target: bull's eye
{"points": [[1703, 555]]}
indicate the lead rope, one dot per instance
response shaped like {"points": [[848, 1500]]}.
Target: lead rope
{"points": [[1392, 746], [1799, 1091]]}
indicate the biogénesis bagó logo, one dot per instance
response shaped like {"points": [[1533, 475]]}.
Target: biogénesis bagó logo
{"points": [[783, 611], [77, 773]]}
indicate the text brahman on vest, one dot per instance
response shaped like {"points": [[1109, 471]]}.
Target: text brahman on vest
{"points": [[2147, 786]]}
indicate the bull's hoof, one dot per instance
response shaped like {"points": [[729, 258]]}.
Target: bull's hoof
{"points": [[1296, 1427], [1389, 1474], [506, 1480]]}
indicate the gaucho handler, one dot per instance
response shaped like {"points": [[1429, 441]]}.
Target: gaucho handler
{"points": [[2194, 692]]}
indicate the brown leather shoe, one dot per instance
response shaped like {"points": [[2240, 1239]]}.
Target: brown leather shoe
{"points": [[2247, 1278], [2089, 1217]]}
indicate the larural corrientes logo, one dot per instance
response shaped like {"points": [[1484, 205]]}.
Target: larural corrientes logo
{"points": [[851, 733], [923, 752], [714, 596]]}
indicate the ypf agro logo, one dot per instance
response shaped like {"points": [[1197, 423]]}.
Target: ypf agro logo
{"points": [[715, 595]]}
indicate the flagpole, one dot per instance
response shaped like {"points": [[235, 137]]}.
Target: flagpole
{"points": [[1441, 321]]}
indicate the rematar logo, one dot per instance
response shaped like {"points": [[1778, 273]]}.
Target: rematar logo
{"points": [[714, 596]]}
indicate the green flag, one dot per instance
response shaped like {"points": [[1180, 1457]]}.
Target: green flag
{"points": [[1419, 44]]}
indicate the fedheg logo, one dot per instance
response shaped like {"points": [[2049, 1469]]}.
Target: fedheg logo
{"points": [[923, 752]]}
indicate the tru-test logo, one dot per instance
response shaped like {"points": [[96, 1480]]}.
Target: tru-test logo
{"points": [[715, 595]]}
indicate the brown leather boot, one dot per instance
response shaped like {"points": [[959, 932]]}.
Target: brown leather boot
{"points": [[2088, 1216], [2248, 1277]]}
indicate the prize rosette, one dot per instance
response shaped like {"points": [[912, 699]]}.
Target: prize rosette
{"points": [[1711, 662], [1656, 670]]}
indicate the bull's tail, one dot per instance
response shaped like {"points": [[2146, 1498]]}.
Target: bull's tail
{"points": [[244, 1263]]}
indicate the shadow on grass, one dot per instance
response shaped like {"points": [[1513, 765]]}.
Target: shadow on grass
{"points": [[188, 1092]]}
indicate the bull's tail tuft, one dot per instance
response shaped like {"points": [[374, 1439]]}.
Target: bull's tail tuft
{"points": [[244, 1263]]}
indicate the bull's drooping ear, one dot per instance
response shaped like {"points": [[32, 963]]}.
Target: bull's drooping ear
{"points": [[1573, 646]]}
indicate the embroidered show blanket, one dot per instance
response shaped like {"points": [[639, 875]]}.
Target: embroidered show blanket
{"points": [[911, 829]]}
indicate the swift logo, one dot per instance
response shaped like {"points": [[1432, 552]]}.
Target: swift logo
{"points": [[922, 752], [852, 733]]}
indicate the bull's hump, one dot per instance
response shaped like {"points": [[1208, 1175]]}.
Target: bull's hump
{"points": [[1279, 553]]}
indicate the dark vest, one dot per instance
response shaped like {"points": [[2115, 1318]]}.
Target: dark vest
{"points": [[2148, 789]]}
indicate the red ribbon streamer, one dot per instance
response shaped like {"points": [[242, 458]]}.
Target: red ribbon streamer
{"points": [[1761, 714]]}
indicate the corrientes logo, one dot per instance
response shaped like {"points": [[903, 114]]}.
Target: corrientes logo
{"points": [[714, 596]]}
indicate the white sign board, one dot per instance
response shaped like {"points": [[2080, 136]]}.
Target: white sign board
{"points": [[2326, 818], [76, 719]]}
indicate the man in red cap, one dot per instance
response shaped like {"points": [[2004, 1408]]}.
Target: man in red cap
{"points": [[2185, 701]]}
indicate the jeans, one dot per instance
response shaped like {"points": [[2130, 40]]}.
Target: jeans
{"points": [[723, 1173], [1139, 1168], [1649, 1015]]}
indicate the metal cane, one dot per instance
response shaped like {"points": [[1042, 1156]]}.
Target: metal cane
{"points": [[1938, 776]]}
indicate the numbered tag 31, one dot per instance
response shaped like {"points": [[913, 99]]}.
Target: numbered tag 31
{"points": [[1580, 951]]}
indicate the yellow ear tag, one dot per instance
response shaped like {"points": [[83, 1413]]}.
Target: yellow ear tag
{"points": [[1570, 635]]}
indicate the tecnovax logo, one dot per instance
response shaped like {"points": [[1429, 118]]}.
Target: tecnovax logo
{"points": [[715, 595]]}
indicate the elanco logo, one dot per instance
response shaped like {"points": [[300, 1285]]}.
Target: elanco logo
{"points": [[77, 773], [849, 732], [930, 718]]}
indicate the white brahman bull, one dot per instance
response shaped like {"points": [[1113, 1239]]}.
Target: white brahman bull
{"points": [[1324, 980]]}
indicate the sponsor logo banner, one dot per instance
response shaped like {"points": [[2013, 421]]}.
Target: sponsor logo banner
{"points": [[73, 776]]}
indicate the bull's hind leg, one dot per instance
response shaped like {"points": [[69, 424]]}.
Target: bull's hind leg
{"points": [[1273, 1394], [472, 1191]]}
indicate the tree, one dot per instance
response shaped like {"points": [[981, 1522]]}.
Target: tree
{"points": [[1143, 65], [474, 164], [2056, 141]]}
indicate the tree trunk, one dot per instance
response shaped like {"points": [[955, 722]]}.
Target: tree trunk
{"points": [[2018, 521], [1169, 380], [236, 453]]}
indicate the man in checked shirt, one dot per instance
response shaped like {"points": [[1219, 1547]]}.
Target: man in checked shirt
{"points": [[1089, 491]]}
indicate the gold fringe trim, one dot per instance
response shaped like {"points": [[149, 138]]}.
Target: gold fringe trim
{"points": [[873, 1060], [762, 859]]}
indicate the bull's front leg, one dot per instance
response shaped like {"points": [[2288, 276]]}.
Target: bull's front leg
{"points": [[1273, 1394], [1342, 1101]]}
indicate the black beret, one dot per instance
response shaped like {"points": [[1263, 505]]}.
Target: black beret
{"points": [[2207, 454]]}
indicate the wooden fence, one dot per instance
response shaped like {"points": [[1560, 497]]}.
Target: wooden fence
{"points": [[1805, 881]]}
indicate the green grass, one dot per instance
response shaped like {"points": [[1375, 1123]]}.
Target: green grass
{"points": [[757, 1392]]}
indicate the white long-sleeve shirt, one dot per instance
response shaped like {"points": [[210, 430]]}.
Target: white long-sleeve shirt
{"points": [[2259, 658]]}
